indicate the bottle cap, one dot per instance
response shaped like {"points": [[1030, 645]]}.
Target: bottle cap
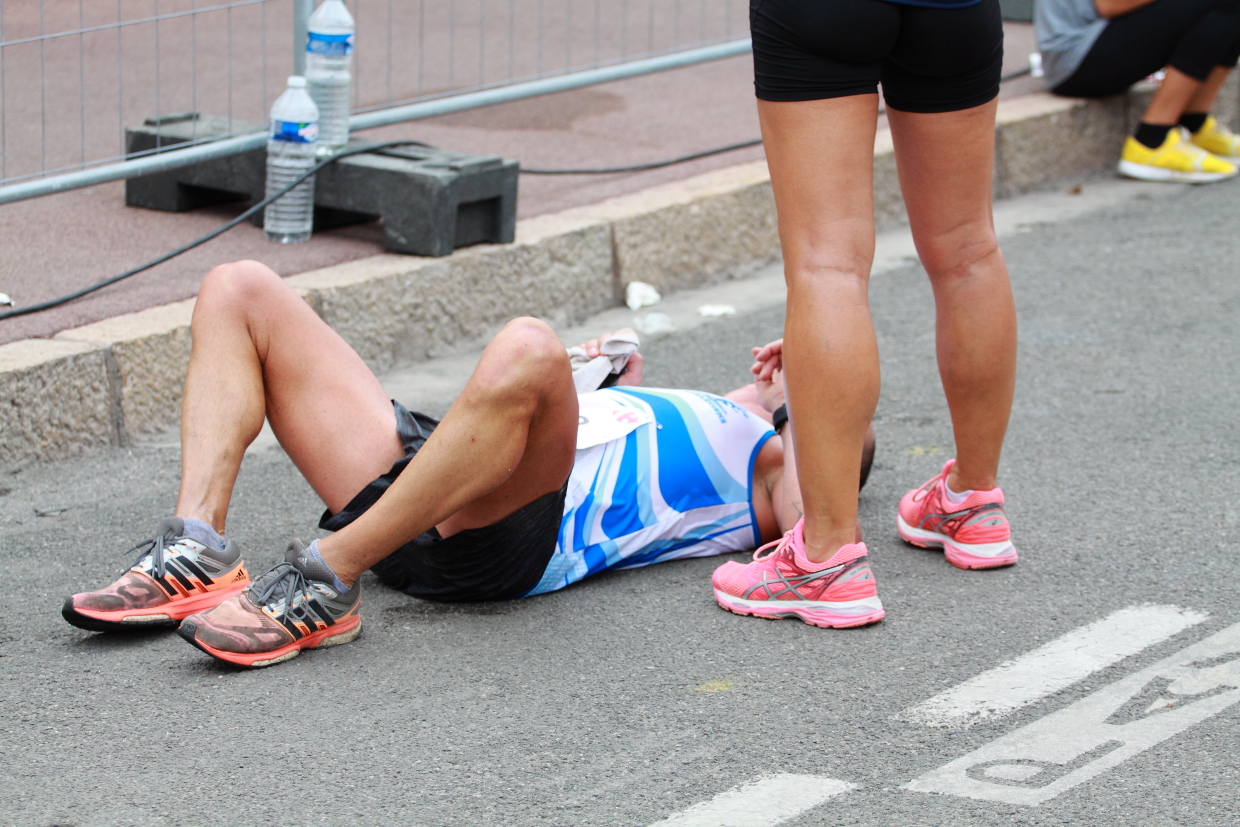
{"points": [[296, 82]]}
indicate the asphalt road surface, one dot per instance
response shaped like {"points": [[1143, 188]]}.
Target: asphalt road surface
{"points": [[1095, 682]]}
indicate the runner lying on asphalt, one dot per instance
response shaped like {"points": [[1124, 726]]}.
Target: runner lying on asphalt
{"points": [[522, 489]]}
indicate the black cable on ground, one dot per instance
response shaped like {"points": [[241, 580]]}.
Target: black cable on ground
{"points": [[77, 294], [693, 157], [47, 305], [639, 167]]}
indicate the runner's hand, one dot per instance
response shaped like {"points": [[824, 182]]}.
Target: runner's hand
{"points": [[632, 374], [768, 359]]}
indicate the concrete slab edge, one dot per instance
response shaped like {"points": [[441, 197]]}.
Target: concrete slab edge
{"points": [[107, 382]]}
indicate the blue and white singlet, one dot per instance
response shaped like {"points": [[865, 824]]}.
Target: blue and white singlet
{"points": [[671, 476]]}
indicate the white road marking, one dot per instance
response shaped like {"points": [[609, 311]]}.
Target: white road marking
{"points": [[764, 803], [1054, 666], [1041, 760]]}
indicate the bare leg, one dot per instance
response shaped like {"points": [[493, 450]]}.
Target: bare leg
{"points": [[945, 162], [259, 350], [1172, 98], [509, 439], [820, 154], [1203, 101]]}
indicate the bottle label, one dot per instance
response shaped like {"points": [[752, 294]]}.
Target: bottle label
{"points": [[293, 132], [329, 45]]}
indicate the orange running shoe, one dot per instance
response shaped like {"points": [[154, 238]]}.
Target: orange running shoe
{"points": [[291, 607], [174, 577], [973, 534]]}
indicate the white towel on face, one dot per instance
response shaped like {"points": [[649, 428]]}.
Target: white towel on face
{"points": [[614, 353]]}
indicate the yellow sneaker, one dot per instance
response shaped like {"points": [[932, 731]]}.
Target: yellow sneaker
{"points": [[1178, 159], [1217, 139]]}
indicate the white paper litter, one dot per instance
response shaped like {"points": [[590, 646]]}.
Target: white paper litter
{"points": [[639, 294], [654, 324], [711, 310]]}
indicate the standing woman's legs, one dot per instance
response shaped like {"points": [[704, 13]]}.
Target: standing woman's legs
{"points": [[945, 162], [821, 156]]}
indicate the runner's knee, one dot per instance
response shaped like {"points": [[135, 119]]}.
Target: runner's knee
{"points": [[238, 287], [527, 354]]}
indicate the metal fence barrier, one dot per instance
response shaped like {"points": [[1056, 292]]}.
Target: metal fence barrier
{"points": [[74, 75]]}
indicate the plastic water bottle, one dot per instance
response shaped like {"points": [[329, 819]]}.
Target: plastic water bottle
{"points": [[329, 61], [290, 153]]}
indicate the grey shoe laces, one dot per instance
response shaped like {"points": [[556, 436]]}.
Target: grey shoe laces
{"points": [[287, 580], [154, 547]]}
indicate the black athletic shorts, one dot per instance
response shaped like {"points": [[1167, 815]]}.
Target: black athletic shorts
{"points": [[498, 562], [927, 59]]}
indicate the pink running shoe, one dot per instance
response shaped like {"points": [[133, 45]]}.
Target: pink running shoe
{"points": [[973, 535], [782, 582]]}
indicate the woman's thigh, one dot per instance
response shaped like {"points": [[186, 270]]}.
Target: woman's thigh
{"points": [[946, 161], [821, 157]]}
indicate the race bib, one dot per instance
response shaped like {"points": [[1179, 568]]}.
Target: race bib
{"points": [[603, 418]]}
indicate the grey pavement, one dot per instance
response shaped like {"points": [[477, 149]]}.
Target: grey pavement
{"points": [[53, 245], [632, 697]]}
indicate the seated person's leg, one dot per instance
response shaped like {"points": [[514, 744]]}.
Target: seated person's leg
{"points": [[1133, 46], [493, 471], [259, 350], [1190, 38], [1223, 38], [1196, 68]]}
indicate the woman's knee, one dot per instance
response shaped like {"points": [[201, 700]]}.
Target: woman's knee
{"points": [[832, 270], [960, 255]]}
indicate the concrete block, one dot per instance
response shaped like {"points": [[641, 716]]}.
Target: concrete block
{"points": [[396, 310], [699, 231], [431, 200], [1030, 150], [1227, 104], [151, 351], [1137, 100], [57, 399]]}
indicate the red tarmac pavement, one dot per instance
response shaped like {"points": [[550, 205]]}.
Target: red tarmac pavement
{"points": [[53, 245]]}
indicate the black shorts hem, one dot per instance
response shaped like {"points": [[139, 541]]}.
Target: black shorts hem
{"points": [[815, 94], [931, 108]]}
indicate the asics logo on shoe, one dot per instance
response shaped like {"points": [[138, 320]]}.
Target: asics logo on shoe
{"points": [[988, 515], [784, 587]]}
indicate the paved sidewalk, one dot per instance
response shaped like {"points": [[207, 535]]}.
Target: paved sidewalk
{"points": [[631, 697], [53, 245]]}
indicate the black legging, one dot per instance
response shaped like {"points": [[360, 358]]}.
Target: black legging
{"points": [[1193, 36]]}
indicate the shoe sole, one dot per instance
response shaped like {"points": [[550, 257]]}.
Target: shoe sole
{"points": [[131, 620], [816, 613], [331, 636], [1145, 172], [961, 555]]}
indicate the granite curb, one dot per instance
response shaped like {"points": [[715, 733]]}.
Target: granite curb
{"points": [[109, 382]]}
